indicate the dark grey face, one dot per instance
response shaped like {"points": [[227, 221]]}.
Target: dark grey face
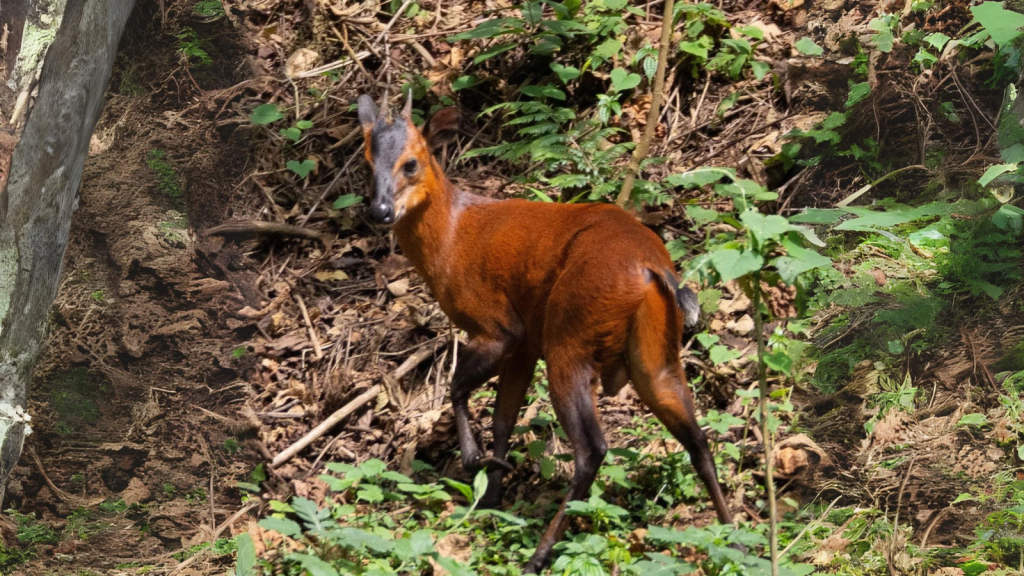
{"points": [[386, 141], [386, 145]]}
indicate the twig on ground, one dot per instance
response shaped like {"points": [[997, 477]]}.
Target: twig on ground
{"points": [[808, 528], [260, 227], [342, 413], [317, 350], [64, 496]]}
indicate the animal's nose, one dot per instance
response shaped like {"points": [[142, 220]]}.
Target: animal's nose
{"points": [[383, 213]]}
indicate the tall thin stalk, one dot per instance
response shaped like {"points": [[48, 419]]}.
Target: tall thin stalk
{"points": [[640, 152], [773, 528]]}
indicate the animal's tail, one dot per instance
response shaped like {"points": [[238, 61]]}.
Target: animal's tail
{"points": [[685, 298]]}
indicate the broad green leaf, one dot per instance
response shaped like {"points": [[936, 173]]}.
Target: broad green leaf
{"points": [[293, 134], [370, 493], [453, 567], [373, 467], [661, 565], [963, 497], [608, 48], [751, 31], [1014, 154], [807, 47], [480, 485], [546, 90], [615, 4], [249, 486], [701, 216], [975, 419], [883, 41], [987, 288], [347, 200], [491, 29], [760, 69], [779, 361], [303, 124], [463, 82], [462, 487], [709, 300], [871, 220], [282, 526], [493, 51], [650, 67], [700, 177], [301, 168], [818, 216], [834, 120], [313, 565], [245, 565], [764, 228], [707, 340], [565, 73], [732, 264], [1020, 451], [858, 92], [719, 354], [265, 114], [361, 539], [396, 477], [698, 49], [994, 172], [623, 79], [1009, 218], [1003, 25], [547, 468], [937, 40], [797, 261]]}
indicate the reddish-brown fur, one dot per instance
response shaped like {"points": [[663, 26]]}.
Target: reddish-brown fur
{"points": [[582, 286]]}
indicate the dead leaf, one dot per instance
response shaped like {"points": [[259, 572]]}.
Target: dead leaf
{"points": [[330, 275], [302, 60], [399, 288], [879, 276], [788, 4], [136, 492]]}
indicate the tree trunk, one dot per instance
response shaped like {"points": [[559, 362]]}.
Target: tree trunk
{"points": [[45, 171]]}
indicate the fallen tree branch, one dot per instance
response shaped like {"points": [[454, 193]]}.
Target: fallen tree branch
{"points": [[346, 410], [326, 425], [260, 227]]}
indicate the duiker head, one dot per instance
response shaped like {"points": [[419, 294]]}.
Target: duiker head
{"points": [[400, 154]]}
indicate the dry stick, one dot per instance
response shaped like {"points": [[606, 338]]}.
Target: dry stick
{"points": [[640, 152], [261, 227], [807, 528], [348, 409], [309, 325], [773, 528]]}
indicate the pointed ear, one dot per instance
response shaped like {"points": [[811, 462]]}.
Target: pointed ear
{"points": [[367, 113], [407, 111], [441, 128]]}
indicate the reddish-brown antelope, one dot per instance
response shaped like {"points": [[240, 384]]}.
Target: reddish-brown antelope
{"points": [[585, 287]]}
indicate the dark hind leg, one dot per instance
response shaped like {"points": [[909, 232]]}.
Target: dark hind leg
{"points": [[659, 380], [478, 363], [513, 383], [574, 406]]}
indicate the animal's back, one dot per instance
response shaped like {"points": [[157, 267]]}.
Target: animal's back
{"points": [[515, 252]]}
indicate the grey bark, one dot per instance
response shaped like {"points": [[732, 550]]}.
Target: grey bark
{"points": [[41, 194]]}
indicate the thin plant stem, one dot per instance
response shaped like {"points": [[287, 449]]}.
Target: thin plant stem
{"points": [[773, 527], [640, 152]]}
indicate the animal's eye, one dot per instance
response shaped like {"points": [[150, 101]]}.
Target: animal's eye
{"points": [[410, 167]]}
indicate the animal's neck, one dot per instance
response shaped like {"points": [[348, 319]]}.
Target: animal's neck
{"points": [[426, 233]]}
